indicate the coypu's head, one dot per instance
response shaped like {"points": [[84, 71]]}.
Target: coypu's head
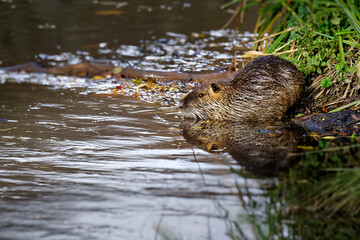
{"points": [[205, 101]]}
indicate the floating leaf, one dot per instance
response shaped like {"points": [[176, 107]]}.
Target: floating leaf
{"points": [[98, 77], [137, 81], [109, 12], [144, 86], [197, 35], [117, 70], [162, 89], [81, 74]]}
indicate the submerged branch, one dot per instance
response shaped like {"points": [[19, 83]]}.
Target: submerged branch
{"points": [[89, 70]]}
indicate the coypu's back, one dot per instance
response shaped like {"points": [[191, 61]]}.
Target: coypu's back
{"points": [[263, 90]]}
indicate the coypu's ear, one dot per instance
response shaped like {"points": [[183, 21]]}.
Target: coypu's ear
{"points": [[215, 87]]}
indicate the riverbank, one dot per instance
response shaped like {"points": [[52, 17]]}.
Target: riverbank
{"points": [[322, 39]]}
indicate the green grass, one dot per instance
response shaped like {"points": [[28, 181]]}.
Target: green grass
{"points": [[324, 40]]}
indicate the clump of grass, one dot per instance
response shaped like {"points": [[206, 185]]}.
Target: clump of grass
{"points": [[322, 38]]}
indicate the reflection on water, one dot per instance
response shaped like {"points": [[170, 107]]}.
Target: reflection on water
{"points": [[261, 148]]}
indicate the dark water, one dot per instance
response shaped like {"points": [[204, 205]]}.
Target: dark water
{"points": [[78, 162], [32, 27]]}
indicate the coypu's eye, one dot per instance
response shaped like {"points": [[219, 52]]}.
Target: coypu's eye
{"points": [[216, 88], [200, 95]]}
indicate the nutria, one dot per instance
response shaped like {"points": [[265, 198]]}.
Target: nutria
{"points": [[263, 90]]}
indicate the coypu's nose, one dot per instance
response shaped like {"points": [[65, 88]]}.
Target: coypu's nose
{"points": [[180, 105]]}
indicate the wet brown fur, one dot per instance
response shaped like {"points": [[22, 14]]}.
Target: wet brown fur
{"points": [[263, 90]]}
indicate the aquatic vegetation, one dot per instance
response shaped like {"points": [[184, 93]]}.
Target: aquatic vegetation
{"points": [[315, 199], [330, 171]]}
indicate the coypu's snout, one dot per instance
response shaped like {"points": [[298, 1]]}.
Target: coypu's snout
{"points": [[187, 99], [196, 103], [185, 107], [180, 105], [184, 103]]}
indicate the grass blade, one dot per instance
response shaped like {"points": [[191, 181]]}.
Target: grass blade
{"points": [[352, 17]]}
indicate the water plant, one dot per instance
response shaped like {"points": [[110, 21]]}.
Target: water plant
{"points": [[316, 199]]}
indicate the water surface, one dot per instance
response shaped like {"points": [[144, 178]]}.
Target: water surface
{"points": [[76, 167]]}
